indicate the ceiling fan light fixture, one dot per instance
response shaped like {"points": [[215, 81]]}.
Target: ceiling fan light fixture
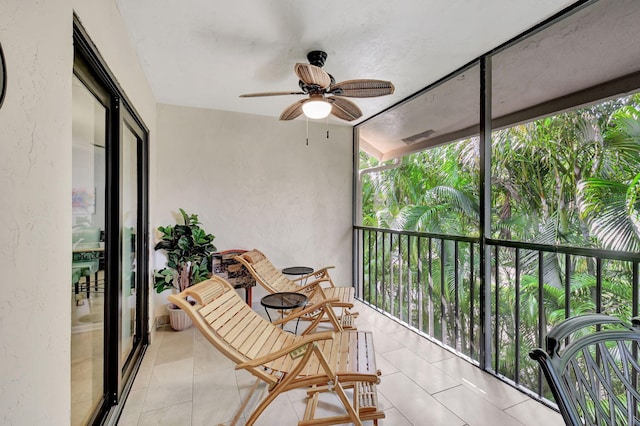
{"points": [[316, 108], [325, 95]]}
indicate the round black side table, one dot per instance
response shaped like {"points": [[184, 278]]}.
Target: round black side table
{"points": [[298, 270], [283, 302]]}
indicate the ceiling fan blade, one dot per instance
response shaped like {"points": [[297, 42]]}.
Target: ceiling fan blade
{"points": [[344, 109], [255, 95], [363, 88], [293, 110], [312, 75]]}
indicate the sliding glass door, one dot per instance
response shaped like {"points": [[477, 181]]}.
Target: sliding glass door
{"points": [[109, 295], [132, 247], [87, 266]]}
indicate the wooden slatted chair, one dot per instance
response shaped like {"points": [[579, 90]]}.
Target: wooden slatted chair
{"points": [[274, 281], [319, 362]]}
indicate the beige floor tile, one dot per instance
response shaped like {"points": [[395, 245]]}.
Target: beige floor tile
{"points": [[415, 403], [384, 343], [387, 325], [206, 358], [133, 407], [385, 366], [245, 380], [296, 395], [175, 415], [533, 413], [498, 393], [383, 403], [280, 412], [175, 345], [156, 341], [215, 397], [143, 376], [393, 417], [171, 383], [184, 380], [420, 371], [329, 405], [473, 409], [421, 346]]}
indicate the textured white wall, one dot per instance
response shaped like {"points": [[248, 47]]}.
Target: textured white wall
{"points": [[255, 184], [35, 185]]}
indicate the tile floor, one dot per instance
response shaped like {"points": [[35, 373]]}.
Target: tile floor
{"points": [[183, 380]]}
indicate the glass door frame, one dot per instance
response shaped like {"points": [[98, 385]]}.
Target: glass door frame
{"points": [[142, 247], [118, 375]]}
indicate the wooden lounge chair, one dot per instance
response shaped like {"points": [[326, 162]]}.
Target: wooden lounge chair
{"points": [[274, 281], [319, 362]]}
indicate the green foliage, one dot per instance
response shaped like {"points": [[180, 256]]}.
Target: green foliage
{"points": [[572, 179], [188, 248]]}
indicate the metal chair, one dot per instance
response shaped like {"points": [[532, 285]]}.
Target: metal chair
{"points": [[591, 363]]}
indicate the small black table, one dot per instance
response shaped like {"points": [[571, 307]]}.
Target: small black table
{"points": [[297, 270], [283, 301]]}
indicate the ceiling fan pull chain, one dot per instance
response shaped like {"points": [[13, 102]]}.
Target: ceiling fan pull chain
{"points": [[307, 120], [327, 127]]}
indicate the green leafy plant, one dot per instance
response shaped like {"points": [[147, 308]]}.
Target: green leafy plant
{"points": [[188, 248]]}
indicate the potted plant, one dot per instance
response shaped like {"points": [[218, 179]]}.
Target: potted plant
{"points": [[188, 248]]}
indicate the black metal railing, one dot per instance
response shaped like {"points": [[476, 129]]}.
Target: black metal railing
{"points": [[432, 282]]}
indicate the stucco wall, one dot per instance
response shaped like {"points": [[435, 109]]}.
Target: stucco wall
{"points": [[35, 184], [255, 183], [252, 179]]}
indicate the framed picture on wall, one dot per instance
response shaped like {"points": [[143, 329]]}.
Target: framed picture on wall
{"points": [[83, 201]]}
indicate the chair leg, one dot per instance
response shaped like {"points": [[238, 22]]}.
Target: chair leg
{"points": [[77, 295], [338, 387], [312, 348], [244, 403]]}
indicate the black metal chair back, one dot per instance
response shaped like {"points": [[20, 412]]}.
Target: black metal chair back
{"points": [[592, 367]]}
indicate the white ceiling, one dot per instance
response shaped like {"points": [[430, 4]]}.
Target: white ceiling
{"points": [[205, 53]]}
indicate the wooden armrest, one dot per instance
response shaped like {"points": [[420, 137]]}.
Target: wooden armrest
{"points": [[308, 309], [324, 271], [308, 287], [320, 274], [326, 335]]}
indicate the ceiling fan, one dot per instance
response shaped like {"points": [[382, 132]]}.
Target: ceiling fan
{"points": [[325, 95]]}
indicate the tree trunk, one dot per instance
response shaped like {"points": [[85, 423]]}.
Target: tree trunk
{"points": [[185, 276]]}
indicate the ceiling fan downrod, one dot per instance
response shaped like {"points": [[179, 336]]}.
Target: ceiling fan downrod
{"points": [[317, 58]]}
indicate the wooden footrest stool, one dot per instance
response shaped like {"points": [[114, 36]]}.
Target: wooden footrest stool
{"points": [[365, 403], [348, 320]]}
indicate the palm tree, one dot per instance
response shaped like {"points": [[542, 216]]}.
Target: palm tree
{"points": [[572, 179], [611, 203]]}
